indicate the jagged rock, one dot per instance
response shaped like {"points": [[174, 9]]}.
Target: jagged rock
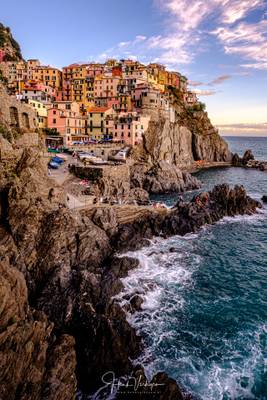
{"points": [[60, 379], [162, 177], [187, 217], [25, 340], [264, 198], [136, 303], [139, 196], [9, 45], [248, 155], [242, 161], [191, 137], [67, 260], [236, 160], [105, 219]]}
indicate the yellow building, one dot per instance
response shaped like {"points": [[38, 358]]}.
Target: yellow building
{"points": [[82, 91], [50, 76], [75, 71], [41, 110], [97, 122]]}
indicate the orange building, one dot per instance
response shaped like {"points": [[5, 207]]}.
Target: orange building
{"points": [[50, 76]]}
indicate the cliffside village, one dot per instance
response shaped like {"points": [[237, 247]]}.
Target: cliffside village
{"points": [[93, 102]]}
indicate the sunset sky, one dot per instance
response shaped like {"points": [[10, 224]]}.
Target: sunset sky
{"points": [[220, 45]]}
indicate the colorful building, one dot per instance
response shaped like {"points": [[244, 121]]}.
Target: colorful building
{"points": [[50, 76], [41, 111], [65, 119], [35, 90], [106, 86], [127, 128], [97, 116]]}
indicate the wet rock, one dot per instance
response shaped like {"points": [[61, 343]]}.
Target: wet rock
{"points": [[248, 155], [242, 161], [136, 303], [264, 198], [61, 277]]}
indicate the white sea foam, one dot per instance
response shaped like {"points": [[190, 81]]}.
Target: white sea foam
{"points": [[161, 279]]}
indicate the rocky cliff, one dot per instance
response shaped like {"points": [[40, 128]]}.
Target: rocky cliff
{"points": [[61, 328], [188, 137], [9, 45]]}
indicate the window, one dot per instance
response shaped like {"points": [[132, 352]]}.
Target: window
{"points": [[129, 134], [122, 134], [54, 112], [102, 115], [122, 126], [129, 126], [54, 121]]}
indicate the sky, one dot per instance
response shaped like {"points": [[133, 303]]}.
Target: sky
{"points": [[220, 45]]}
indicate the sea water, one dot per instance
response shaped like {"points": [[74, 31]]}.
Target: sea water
{"points": [[204, 316]]}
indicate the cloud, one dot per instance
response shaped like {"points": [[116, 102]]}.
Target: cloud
{"points": [[185, 30], [219, 80], [246, 40], [262, 127], [203, 92], [235, 10], [195, 84], [140, 37]]}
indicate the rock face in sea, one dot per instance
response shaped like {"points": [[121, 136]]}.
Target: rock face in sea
{"points": [[162, 178], [248, 160], [59, 277], [172, 144], [242, 161], [182, 138]]}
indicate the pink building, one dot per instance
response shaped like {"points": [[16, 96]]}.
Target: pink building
{"points": [[64, 118], [127, 128], [113, 102], [106, 86]]}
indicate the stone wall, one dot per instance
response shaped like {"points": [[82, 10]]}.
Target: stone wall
{"points": [[15, 114]]}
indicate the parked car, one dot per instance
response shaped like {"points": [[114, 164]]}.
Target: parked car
{"points": [[57, 160], [53, 165]]}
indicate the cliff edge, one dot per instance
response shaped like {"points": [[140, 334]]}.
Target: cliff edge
{"points": [[184, 136]]}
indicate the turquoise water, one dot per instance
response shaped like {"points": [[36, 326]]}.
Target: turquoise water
{"points": [[204, 318]]}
